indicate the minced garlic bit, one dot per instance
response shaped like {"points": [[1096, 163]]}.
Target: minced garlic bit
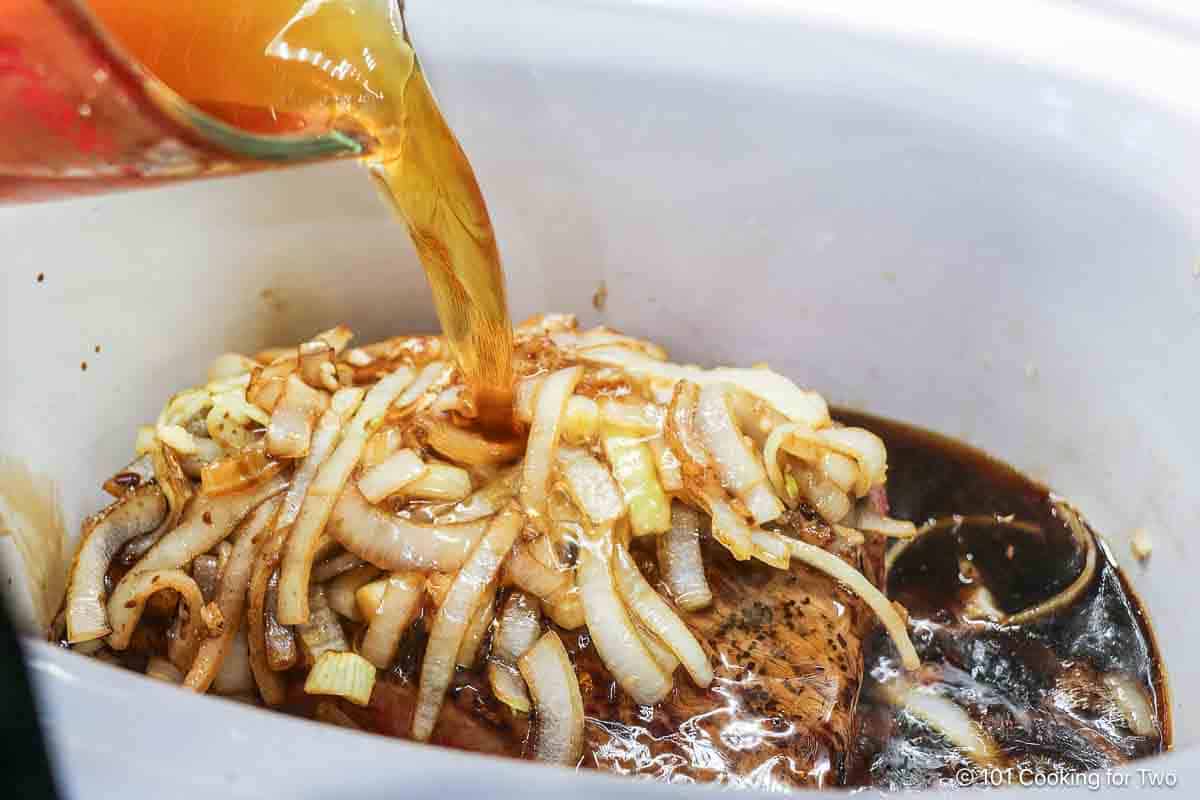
{"points": [[1140, 544]]}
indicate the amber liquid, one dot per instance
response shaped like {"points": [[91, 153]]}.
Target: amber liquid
{"points": [[291, 67]]}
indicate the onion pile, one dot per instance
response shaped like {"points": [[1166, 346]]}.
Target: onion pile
{"points": [[304, 508]]}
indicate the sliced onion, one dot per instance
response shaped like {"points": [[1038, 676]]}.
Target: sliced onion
{"points": [[519, 628], [345, 675], [558, 736], [387, 439], [450, 622], [443, 482], [332, 567], [337, 338], [395, 613], [829, 501], [944, 716], [736, 464], [394, 543], [236, 472], [317, 365], [662, 654], [667, 464], [341, 590], [524, 397], [531, 575], [398, 470], [323, 632], [234, 675], [565, 608], [1130, 699], [481, 622], [317, 503], [431, 376], [1085, 541], [175, 485], [437, 585], [854, 581], [654, 612], [681, 425], [280, 641], [291, 427], [771, 549], [207, 521], [231, 598], [267, 383], [484, 503], [839, 469], [591, 485], [612, 631], [633, 467], [137, 473], [467, 447], [872, 522], [728, 527], [680, 561], [139, 587], [543, 440], [581, 420], [206, 572], [229, 365], [264, 579], [163, 670], [135, 514], [632, 417], [791, 401]]}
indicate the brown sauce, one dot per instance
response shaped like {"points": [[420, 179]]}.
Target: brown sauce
{"points": [[1035, 688]]}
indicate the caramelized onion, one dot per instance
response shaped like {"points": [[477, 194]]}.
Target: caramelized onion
{"points": [[231, 598], [136, 513], [450, 622], [467, 447], [543, 439], [616, 640], [263, 579], [558, 735], [680, 562], [443, 482], [291, 427], [322, 494], [528, 573], [280, 641], [395, 613], [332, 567], [139, 586], [1084, 541], [323, 632], [659, 617], [234, 675], [394, 543]]}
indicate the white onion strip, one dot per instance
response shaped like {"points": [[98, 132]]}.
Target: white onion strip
{"points": [[342, 590], [680, 561], [654, 612], [323, 632], [558, 735], [467, 447], [590, 484], [394, 543], [231, 597], [399, 607], [549, 404], [737, 466], [331, 477], [519, 627], [392, 474], [787, 398], [525, 571], [135, 514], [290, 430], [616, 640], [450, 623], [855, 582], [481, 622]]}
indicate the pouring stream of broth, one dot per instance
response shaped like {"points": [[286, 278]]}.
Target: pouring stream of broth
{"points": [[285, 67]]}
